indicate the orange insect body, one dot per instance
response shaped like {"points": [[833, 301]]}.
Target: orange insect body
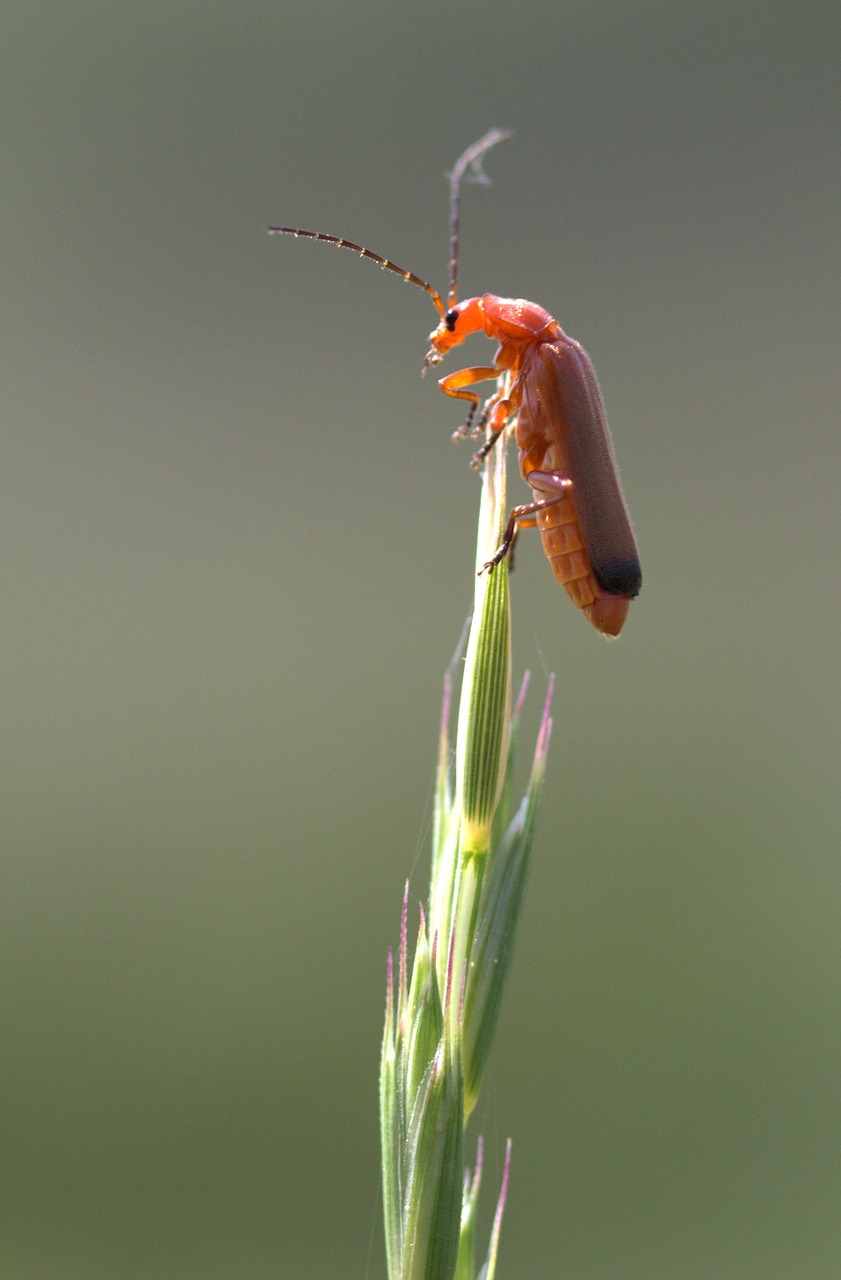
{"points": [[547, 385], [563, 437]]}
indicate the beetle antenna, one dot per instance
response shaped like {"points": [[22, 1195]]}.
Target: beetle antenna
{"points": [[363, 253], [472, 157]]}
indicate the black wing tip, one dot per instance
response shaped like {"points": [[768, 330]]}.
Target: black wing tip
{"points": [[619, 577]]}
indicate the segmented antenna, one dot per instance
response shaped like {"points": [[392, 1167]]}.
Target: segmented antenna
{"points": [[473, 157], [341, 243]]}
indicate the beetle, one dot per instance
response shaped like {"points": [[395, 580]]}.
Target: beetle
{"points": [[546, 387]]}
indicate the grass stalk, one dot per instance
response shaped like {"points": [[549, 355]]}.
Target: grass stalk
{"points": [[441, 1017]]}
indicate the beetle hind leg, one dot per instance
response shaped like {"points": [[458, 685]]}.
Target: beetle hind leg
{"points": [[525, 516]]}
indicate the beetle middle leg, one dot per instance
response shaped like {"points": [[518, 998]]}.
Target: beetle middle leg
{"points": [[495, 416], [523, 517]]}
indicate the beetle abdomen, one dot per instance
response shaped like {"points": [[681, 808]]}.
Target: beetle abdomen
{"points": [[564, 547]]}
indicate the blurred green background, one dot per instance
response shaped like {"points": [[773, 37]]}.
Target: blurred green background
{"points": [[236, 557]]}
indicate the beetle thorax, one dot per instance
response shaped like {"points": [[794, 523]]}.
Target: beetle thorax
{"points": [[516, 320]]}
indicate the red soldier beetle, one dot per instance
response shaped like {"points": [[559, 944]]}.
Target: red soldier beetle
{"points": [[546, 387]]}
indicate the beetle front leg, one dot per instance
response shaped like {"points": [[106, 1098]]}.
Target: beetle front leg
{"points": [[454, 384], [523, 516]]}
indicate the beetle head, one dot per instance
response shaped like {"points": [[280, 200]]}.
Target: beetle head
{"points": [[456, 323]]}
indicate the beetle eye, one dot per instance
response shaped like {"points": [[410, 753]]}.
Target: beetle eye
{"points": [[450, 319]]}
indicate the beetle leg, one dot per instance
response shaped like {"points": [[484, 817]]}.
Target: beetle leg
{"points": [[480, 454], [527, 522], [523, 516], [495, 416], [454, 384], [498, 412], [549, 482]]}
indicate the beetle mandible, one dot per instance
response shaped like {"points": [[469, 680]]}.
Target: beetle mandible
{"points": [[546, 387]]}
